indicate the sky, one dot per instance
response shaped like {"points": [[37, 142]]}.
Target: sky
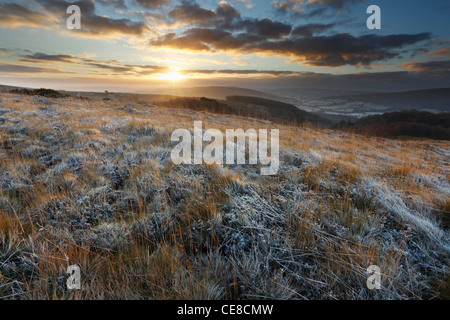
{"points": [[144, 45]]}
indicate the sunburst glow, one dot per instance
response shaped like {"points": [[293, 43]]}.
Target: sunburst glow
{"points": [[173, 76]]}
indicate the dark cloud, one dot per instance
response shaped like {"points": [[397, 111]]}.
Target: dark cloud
{"points": [[53, 12], [59, 6], [94, 24], [99, 67], [42, 57], [311, 29], [115, 67], [152, 4], [126, 69], [190, 13], [326, 51], [342, 49], [226, 30], [318, 7], [227, 13], [429, 66], [227, 18], [103, 25], [336, 4], [292, 6], [120, 4], [202, 39], [264, 27], [181, 43], [223, 28], [14, 15], [10, 68]]}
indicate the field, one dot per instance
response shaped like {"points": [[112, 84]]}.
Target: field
{"points": [[91, 182]]}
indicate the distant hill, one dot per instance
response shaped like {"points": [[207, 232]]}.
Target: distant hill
{"points": [[285, 112], [6, 88], [433, 99], [40, 92], [411, 123], [215, 92], [121, 96], [415, 116], [118, 96], [246, 106], [322, 105]]}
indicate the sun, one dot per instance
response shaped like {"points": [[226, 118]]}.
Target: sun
{"points": [[172, 76]]}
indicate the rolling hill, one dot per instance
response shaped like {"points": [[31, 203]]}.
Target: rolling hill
{"points": [[215, 92], [91, 182]]}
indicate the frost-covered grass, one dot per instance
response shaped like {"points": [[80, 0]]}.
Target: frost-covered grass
{"points": [[92, 183]]}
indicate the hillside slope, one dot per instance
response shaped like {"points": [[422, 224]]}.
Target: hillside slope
{"points": [[406, 123], [248, 106], [215, 92], [91, 182]]}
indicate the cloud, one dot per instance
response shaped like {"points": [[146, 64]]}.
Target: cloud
{"points": [[115, 67], [97, 67], [311, 29], [325, 51], [120, 4], [97, 25], [152, 4], [218, 29], [227, 12], [93, 24], [15, 15], [226, 18], [10, 68], [428, 66], [441, 52], [336, 4], [288, 6], [248, 3], [52, 14], [264, 27], [319, 7], [226, 30], [171, 40], [221, 30], [341, 49], [42, 57], [190, 13]]}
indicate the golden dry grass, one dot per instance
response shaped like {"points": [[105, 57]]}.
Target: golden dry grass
{"points": [[90, 182]]}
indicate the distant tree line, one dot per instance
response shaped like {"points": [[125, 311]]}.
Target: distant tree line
{"points": [[50, 93], [412, 123]]}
